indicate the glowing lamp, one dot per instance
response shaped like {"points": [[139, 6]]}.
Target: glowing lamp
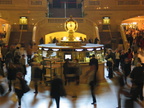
{"points": [[90, 49], [79, 49], [55, 49]]}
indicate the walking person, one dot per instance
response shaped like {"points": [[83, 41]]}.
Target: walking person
{"points": [[18, 87], [117, 60], [91, 73], [36, 75], [109, 65], [120, 83], [29, 54], [57, 90], [23, 63], [78, 71], [11, 74], [126, 69], [66, 70], [137, 76]]}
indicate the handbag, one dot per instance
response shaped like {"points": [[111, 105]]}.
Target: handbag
{"points": [[14, 97], [62, 91], [25, 87]]}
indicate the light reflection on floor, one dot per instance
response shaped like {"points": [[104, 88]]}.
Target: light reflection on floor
{"points": [[105, 94]]}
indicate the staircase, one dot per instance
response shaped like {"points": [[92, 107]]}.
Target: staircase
{"points": [[110, 40]]}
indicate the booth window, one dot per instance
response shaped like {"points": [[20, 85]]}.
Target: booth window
{"points": [[61, 3], [129, 2], [97, 2], [36, 2], [5, 1]]}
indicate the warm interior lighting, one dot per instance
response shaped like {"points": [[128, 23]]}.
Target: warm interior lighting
{"points": [[40, 48], [77, 38], [55, 49], [90, 49], [98, 49], [134, 23], [23, 20], [46, 49], [79, 49], [65, 39]]}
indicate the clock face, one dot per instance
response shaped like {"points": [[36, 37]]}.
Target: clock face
{"points": [[71, 25]]}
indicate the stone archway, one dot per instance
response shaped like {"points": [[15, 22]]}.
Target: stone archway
{"points": [[135, 22], [132, 24], [5, 30]]}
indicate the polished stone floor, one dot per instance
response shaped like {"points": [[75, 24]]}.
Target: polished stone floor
{"points": [[106, 94]]}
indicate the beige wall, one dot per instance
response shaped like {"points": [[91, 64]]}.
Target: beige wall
{"points": [[117, 13]]}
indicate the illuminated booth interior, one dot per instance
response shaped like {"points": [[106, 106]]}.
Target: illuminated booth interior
{"points": [[72, 48], [72, 45]]}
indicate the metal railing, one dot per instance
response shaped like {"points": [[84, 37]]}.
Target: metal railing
{"points": [[123, 35]]}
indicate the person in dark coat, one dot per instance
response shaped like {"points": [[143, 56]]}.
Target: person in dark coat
{"points": [[54, 40], [94, 61], [8, 57], [57, 90], [66, 69], [23, 64], [92, 73], [129, 55], [36, 75], [41, 41], [121, 84], [96, 40], [110, 54], [78, 70], [130, 40], [109, 65], [11, 74], [18, 87], [122, 59], [127, 68], [137, 76]]}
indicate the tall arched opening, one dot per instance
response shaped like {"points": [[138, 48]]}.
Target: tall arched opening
{"points": [[130, 29], [5, 28]]}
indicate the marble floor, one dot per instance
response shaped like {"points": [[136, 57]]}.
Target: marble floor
{"points": [[106, 95]]}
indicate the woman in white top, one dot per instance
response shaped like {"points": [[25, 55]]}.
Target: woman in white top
{"points": [[117, 59]]}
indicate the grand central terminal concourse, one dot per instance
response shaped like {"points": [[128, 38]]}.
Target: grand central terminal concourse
{"points": [[71, 53]]}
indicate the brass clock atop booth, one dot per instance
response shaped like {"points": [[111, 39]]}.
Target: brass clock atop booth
{"points": [[71, 26]]}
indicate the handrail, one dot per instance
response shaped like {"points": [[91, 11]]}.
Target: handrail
{"points": [[123, 35]]}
